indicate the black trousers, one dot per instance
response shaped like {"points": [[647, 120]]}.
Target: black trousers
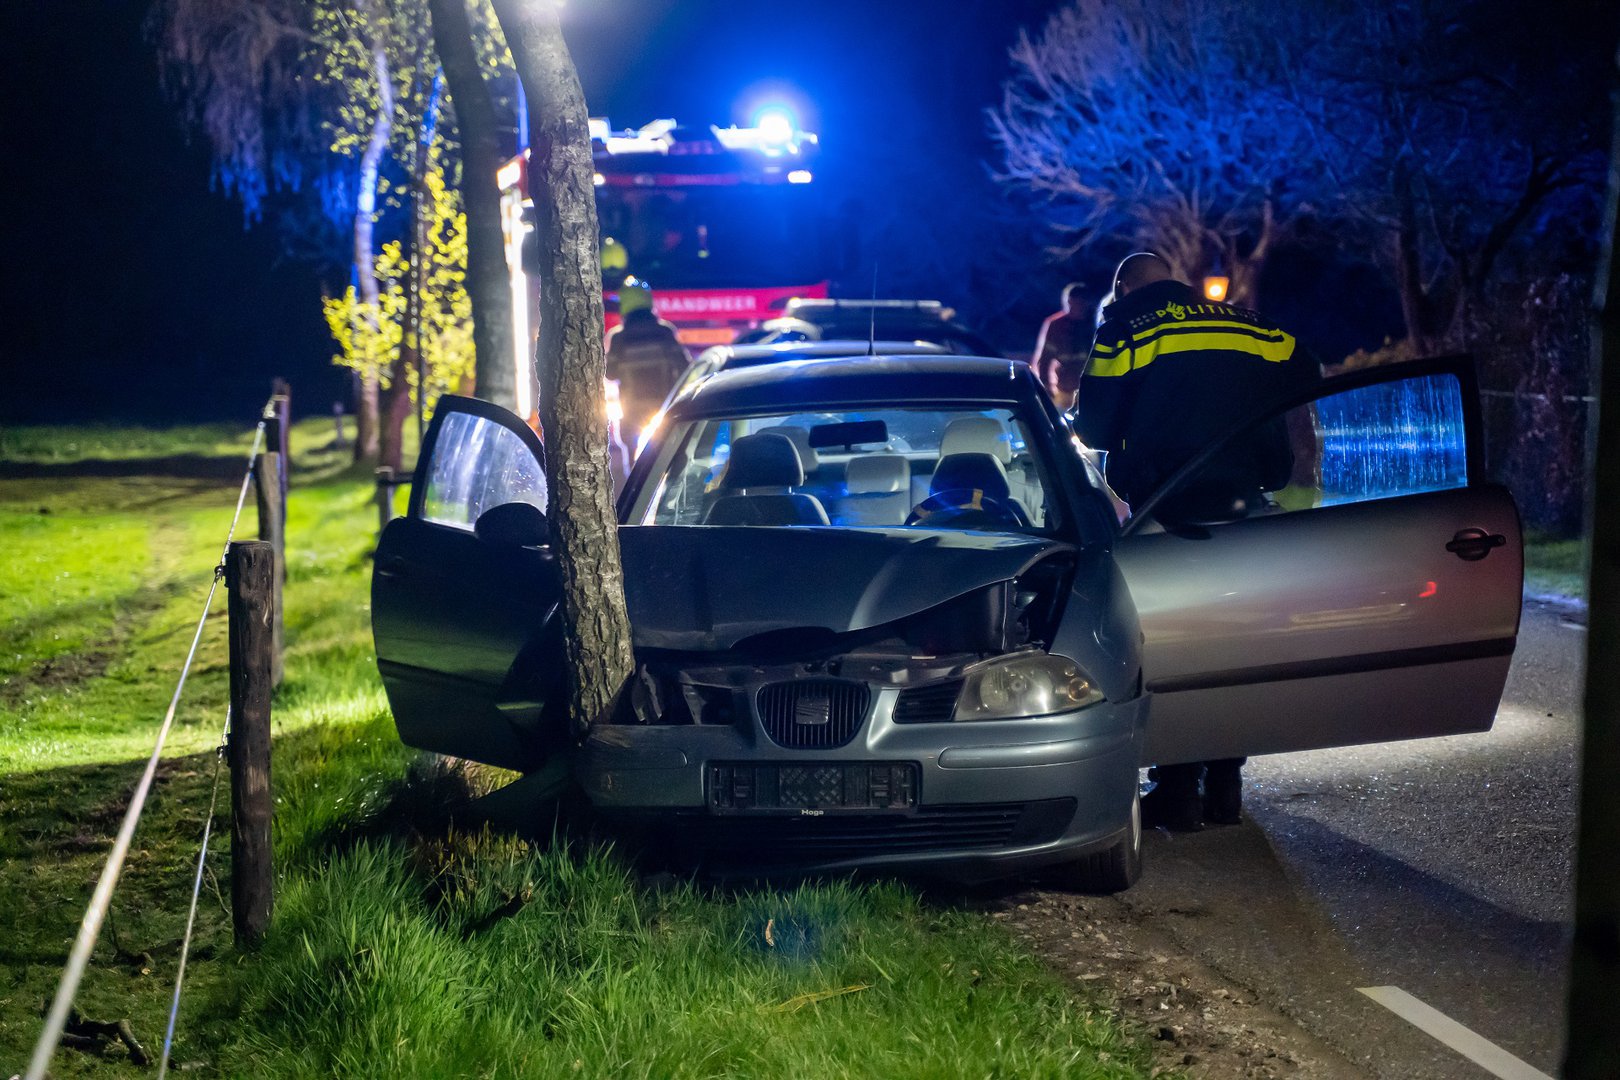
{"points": [[1181, 781]]}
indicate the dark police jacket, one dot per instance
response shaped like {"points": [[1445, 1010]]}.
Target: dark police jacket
{"points": [[1169, 372]]}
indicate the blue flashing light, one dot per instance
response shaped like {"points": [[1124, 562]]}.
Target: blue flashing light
{"points": [[776, 125]]}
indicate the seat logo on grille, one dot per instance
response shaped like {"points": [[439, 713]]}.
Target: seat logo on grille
{"points": [[812, 710]]}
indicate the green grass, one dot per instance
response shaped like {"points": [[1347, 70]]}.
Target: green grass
{"points": [[42, 443], [400, 947], [1555, 567]]}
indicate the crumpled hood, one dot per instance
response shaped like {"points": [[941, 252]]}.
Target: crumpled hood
{"points": [[705, 588]]}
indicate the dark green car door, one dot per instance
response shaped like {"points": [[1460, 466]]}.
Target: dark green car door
{"points": [[466, 628]]}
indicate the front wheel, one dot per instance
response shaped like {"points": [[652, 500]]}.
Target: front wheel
{"points": [[1114, 869]]}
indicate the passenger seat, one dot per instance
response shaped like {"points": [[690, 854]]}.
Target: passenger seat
{"points": [[800, 438], [877, 490], [761, 469]]}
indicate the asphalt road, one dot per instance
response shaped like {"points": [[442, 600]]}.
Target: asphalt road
{"points": [[1442, 867]]}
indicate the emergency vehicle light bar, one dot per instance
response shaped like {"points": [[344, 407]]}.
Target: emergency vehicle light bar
{"points": [[660, 135]]}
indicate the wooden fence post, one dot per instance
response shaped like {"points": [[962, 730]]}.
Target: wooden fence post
{"points": [[386, 486], [250, 567], [281, 398], [273, 531]]}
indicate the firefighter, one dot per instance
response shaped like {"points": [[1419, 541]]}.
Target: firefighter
{"points": [[645, 357], [615, 259], [1060, 350], [1168, 373]]}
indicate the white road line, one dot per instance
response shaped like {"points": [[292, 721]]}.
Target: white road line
{"points": [[1431, 1021]]}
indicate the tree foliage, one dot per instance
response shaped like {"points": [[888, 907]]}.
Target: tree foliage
{"points": [[1453, 131], [347, 92], [1428, 136], [239, 72], [369, 336], [1155, 123]]}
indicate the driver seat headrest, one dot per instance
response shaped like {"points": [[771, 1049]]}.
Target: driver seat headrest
{"points": [[970, 472], [764, 459], [977, 435]]}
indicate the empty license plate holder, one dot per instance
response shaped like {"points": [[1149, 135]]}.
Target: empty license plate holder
{"points": [[812, 789]]}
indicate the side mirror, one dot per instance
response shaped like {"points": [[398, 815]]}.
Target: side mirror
{"points": [[1195, 508], [517, 524]]}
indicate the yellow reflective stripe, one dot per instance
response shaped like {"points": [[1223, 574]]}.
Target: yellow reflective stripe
{"points": [[1248, 330], [1274, 351], [1207, 324], [1108, 366], [1113, 366]]}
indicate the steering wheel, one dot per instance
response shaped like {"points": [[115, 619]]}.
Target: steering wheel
{"points": [[966, 508]]}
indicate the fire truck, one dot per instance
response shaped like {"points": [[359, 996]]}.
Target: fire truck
{"points": [[721, 222]]}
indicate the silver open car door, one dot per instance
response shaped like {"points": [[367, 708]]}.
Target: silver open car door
{"points": [[1375, 598]]}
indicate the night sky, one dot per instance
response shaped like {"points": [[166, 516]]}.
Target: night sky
{"points": [[132, 291]]}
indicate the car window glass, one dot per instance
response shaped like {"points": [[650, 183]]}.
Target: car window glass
{"points": [[999, 481], [1396, 438], [477, 465]]}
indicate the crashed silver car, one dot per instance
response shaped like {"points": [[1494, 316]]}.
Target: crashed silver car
{"points": [[885, 613]]}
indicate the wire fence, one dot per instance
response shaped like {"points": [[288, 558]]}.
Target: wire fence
{"points": [[61, 1007]]}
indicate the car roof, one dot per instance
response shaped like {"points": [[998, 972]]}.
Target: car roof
{"points": [[810, 305], [796, 384], [729, 357]]}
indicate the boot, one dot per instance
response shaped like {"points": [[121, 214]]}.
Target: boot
{"points": [[1174, 803], [1223, 791]]}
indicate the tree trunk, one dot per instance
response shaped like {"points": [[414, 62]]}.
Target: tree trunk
{"points": [[1415, 303], [1593, 1038], [488, 283], [1245, 269], [396, 404], [365, 253], [396, 409], [569, 360]]}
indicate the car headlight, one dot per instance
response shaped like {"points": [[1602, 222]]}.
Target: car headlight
{"points": [[1022, 686]]}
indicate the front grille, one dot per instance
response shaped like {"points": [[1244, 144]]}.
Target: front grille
{"points": [[812, 714], [934, 703], [767, 841]]}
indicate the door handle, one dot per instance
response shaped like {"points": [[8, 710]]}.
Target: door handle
{"points": [[1472, 545], [392, 567]]}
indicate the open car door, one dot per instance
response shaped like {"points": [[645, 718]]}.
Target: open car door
{"points": [[1375, 598], [464, 614]]}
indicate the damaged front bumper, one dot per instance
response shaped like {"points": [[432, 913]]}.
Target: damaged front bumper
{"points": [[967, 800]]}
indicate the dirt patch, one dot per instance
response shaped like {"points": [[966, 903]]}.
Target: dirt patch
{"points": [[91, 660], [66, 670], [1200, 1022]]}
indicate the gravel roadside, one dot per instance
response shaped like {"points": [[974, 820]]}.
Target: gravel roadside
{"points": [[1202, 1023]]}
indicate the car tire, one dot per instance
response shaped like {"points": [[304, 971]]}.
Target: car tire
{"points": [[1114, 869]]}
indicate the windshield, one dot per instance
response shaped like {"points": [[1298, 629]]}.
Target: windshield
{"points": [[755, 235], [963, 469]]}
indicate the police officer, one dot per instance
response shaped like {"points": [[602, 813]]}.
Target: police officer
{"points": [[1168, 373], [646, 358]]}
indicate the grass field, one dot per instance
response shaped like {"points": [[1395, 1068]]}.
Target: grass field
{"points": [[400, 947], [1555, 567]]}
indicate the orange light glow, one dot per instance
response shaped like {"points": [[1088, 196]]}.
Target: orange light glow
{"points": [[1430, 588], [1215, 287], [705, 335]]}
